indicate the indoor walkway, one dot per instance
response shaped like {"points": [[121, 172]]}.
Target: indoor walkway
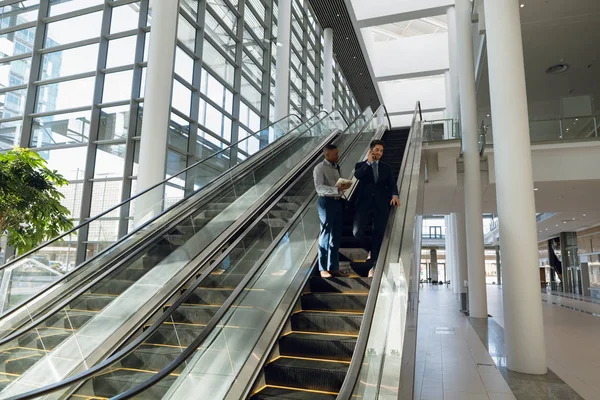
{"points": [[452, 362], [572, 341]]}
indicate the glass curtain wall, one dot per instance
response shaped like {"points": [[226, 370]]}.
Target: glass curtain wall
{"points": [[72, 78]]}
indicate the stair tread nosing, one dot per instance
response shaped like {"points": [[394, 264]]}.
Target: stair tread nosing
{"points": [[274, 393], [308, 374]]}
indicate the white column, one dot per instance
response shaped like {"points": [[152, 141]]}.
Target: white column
{"points": [[328, 69], [523, 329], [448, 112], [473, 206], [282, 59], [455, 263], [454, 104], [461, 245], [448, 250], [157, 104]]}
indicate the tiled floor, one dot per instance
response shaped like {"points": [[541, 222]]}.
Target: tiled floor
{"points": [[572, 339], [452, 363]]}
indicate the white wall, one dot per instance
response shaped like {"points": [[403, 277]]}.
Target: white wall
{"points": [[402, 95], [411, 56]]}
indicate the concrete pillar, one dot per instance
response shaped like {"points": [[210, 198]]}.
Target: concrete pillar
{"points": [[473, 200], [448, 113], [449, 269], [498, 267], [328, 69], [524, 327], [157, 109], [463, 272], [453, 105], [434, 265], [282, 59]]}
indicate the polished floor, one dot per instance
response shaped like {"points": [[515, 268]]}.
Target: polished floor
{"points": [[458, 358], [452, 362]]}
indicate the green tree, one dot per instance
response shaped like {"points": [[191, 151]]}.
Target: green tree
{"points": [[30, 209]]}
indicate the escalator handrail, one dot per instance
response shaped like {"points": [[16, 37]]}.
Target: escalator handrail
{"points": [[356, 364], [107, 211], [63, 301], [130, 347]]}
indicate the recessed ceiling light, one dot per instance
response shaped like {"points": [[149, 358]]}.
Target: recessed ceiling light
{"points": [[536, 189], [546, 228], [576, 119], [557, 69], [584, 215], [488, 115], [564, 222], [567, 128], [573, 219], [337, 15], [522, 5], [556, 225]]}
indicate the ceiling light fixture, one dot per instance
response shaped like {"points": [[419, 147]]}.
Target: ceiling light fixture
{"points": [[536, 189], [584, 215], [488, 115], [522, 5], [557, 69]]}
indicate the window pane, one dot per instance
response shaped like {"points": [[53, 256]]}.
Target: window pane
{"points": [[249, 118], [214, 120], [61, 129], [69, 62], [121, 51], [214, 90], [73, 29], [15, 43], [12, 103], [222, 10], [184, 65], [10, 134], [61, 6], [110, 160], [114, 122], [218, 34], [251, 94], [182, 98], [105, 195], [179, 132], [191, 6], [250, 68], [251, 22], [14, 73], [186, 33], [253, 47], [124, 18], [18, 13], [117, 86], [259, 8], [218, 63], [62, 95]]}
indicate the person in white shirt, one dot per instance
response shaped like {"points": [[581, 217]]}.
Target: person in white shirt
{"points": [[331, 212]]}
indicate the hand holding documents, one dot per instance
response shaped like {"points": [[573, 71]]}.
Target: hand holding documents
{"points": [[343, 183]]}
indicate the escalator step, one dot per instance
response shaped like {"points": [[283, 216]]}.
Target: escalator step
{"points": [[153, 358], [324, 322], [209, 296], [116, 382], [310, 374], [340, 285], [331, 347], [334, 301], [194, 314], [229, 281], [275, 393], [113, 286]]}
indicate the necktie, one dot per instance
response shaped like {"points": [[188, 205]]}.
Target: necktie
{"points": [[376, 171]]}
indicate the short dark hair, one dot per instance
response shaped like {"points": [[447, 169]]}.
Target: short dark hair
{"points": [[376, 142], [329, 147]]}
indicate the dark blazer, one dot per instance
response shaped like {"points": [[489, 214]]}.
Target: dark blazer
{"points": [[371, 194]]}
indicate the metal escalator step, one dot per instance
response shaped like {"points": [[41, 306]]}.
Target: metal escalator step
{"points": [[194, 314], [175, 334], [312, 374], [19, 365], [340, 285], [93, 302], [334, 301], [153, 358], [327, 322], [43, 338], [131, 274], [353, 253], [113, 286], [204, 295], [279, 393], [116, 382], [331, 347], [225, 280]]}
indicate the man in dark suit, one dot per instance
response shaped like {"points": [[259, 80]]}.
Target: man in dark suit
{"points": [[377, 191]]}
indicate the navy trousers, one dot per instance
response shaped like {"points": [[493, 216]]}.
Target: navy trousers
{"points": [[364, 218], [331, 215]]}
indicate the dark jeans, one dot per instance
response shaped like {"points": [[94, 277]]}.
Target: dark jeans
{"points": [[363, 219], [331, 215]]}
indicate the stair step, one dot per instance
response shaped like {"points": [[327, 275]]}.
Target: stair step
{"points": [[340, 285], [315, 345], [278, 393], [327, 322], [194, 314], [92, 302], [307, 374], [205, 295], [112, 287], [118, 381], [153, 358]]}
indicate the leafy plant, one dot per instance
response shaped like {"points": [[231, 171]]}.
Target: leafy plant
{"points": [[30, 208]]}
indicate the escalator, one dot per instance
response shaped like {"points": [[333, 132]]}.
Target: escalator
{"points": [[315, 349], [260, 308], [80, 328]]}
